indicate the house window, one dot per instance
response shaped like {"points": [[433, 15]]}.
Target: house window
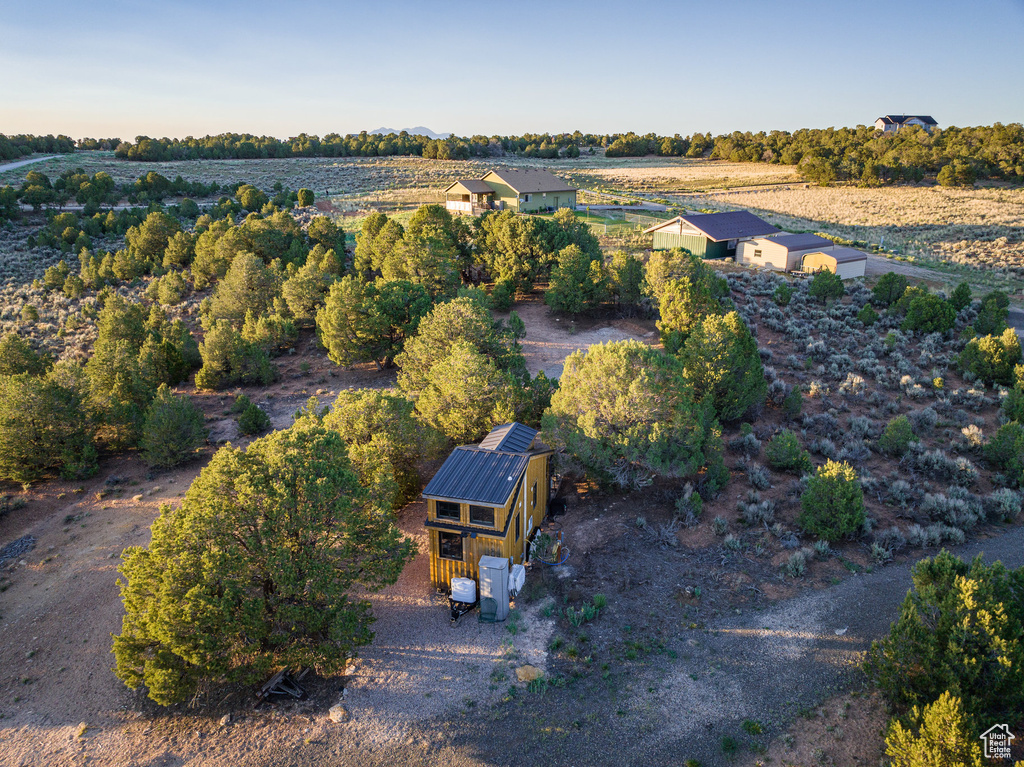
{"points": [[757, 254], [519, 526], [481, 515], [526, 197], [535, 495], [449, 510], [450, 546]]}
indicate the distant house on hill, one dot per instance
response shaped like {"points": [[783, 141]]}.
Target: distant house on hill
{"points": [[522, 190], [781, 252], [486, 500], [709, 235], [895, 122]]}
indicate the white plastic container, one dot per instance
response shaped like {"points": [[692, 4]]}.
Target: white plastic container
{"points": [[516, 579], [464, 590]]}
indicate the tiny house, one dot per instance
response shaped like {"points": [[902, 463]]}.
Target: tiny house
{"points": [[486, 500]]}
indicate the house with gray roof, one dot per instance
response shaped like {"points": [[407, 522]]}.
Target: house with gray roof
{"points": [[895, 122], [709, 235], [486, 500], [524, 190], [781, 252]]}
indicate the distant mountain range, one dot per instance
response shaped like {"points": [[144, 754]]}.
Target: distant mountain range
{"points": [[419, 130]]}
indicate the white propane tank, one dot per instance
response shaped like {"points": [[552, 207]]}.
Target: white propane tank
{"points": [[516, 579], [464, 590]]}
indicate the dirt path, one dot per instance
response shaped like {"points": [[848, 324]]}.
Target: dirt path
{"points": [[23, 163]]}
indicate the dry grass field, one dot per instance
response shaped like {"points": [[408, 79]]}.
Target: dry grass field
{"points": [[671, 175]]}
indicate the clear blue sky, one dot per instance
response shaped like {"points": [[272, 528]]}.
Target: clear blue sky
{"points": [[180, 68]]}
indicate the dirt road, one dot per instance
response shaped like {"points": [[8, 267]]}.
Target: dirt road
{"points": [[23, 163]]}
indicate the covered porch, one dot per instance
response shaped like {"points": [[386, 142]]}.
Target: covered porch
{"points": [[469, 197]]}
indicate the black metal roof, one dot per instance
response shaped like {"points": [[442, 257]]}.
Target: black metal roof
{"points": [[510, 437], [487, 477], [729, 226]]}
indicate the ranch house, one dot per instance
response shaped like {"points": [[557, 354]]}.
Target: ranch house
{"points": [[486, 500], [521, 190], [710, 235], [895, 122], [783, 252]]}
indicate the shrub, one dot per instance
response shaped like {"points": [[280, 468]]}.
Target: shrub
{"points": [[305, 197], [578, 282], [720, 360], [889, 288], [785, 453], [833, 504], [253, 420], [783, 294], [173, 429], [960, 628], [941, 734], [992, 315], [171, 289], [961, 297], [623, 412], [1005, 451], [868, 315], [17, 356], [45, 429], [228, 358], [897, 436], [826, 286], [992, 359], [793, 403], [929, 313]]}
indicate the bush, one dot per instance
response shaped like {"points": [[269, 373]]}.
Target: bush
{"points": [[578, 282], [793, 404], [253, 420], [889, 288], [45, 429], [961, 297], [833, 504], [826, 286], [992, 359], [897, 436], [783, 294], [228, 358], [720, 360], [991, 319], [785, 453], [959, 629], [385, 441], [305, 197], [929, 314], [623, 413], [17, 356], [939, 735], [1005, 451], [868, 315], [173, 429]]}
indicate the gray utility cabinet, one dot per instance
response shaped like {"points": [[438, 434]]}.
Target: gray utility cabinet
{"points": [[494, 584]]}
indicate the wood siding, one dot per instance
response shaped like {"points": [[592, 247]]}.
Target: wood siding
{"points": [[478, 541]]}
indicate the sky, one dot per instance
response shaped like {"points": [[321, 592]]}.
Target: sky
{"points": [[194, 68]]}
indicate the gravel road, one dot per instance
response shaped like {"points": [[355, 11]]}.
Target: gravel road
{"points": [[22, 163], [765, 665], [771, 664]]}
